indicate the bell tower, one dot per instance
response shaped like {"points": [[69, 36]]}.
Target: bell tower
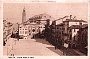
{"points": [[23, 16]]}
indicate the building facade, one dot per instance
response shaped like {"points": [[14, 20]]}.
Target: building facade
{"points": [[70, 32], [28, 30], [71, 22], [34, 25], [7, 30]]}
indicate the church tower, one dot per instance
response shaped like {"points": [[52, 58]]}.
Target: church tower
{"points": [[23, 16]]}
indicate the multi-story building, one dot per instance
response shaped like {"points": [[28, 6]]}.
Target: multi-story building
{"points": [[83, 37], [34, 25], [66, 31], [68, 23], [73, 35], [55, 34], [30, 29], [78, 37], [59, 34], [7, 30], [52, 30]]}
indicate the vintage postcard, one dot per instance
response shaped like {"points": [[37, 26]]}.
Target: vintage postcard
{"points": [[44, 29]]}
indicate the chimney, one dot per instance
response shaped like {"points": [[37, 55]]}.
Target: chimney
{"points": [[70, 16]]}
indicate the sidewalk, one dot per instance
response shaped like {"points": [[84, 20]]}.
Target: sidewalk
{"points": [[35, 47], [72, 52], [7, 49]]}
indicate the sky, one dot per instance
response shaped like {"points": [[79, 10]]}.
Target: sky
{"points": [[12, 12]]}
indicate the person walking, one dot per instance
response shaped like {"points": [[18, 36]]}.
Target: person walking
{"points": [[65, 48]]}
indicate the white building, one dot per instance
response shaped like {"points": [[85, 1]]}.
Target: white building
{"points": [[30, 29], [23, 30], [34, 25], [70, 22]]}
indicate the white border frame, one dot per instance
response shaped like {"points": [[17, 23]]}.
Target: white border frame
{"points": [[45, 1]]}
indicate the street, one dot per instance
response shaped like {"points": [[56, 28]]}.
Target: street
{"points": [[31, 47], [35, 47], [29, 32]]}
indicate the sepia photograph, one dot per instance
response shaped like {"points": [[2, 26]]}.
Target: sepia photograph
{"points": [[45, 29]]}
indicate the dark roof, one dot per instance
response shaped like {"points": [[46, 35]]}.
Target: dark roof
{"points": [[71, 20], [75, 27], [78, 26], [39, 16], [60, 24]]}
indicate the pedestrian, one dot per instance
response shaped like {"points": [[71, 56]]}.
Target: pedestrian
{"points": [[65, 48], [56, 42]]}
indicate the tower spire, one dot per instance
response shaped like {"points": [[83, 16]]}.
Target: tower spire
{"points": [[23, 15]]}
